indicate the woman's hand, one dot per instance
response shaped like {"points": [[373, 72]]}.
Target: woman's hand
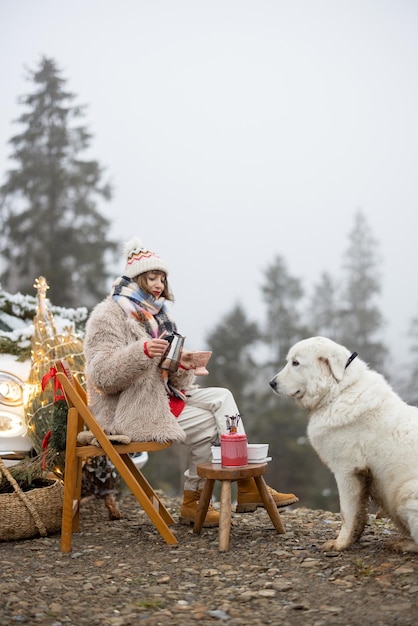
{"points": [[155, 348]]}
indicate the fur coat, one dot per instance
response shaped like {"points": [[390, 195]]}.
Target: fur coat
{"points": [[126, 393]]}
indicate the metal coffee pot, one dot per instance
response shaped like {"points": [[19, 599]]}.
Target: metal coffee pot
{"points": [[171, 357]]}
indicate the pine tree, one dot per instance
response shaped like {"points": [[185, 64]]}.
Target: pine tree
{"points": [[360, 318], [324, 308], [51, 225], [282, 294], [232, 364], [410, 374]]}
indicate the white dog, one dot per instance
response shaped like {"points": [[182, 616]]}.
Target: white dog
{"points": [[362, 430]]}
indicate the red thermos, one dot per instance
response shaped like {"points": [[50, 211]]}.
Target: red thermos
{"points": [[234, 450]]}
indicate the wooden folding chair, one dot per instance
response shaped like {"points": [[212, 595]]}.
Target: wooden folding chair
{"points": [[79, 415]]}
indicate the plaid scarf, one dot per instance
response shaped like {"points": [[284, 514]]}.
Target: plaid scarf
{"points": [[134, 301]]}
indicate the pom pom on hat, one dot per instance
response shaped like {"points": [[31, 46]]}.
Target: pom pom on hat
{"points": [[139, 259]]}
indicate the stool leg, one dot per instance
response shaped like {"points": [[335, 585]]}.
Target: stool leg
{"points": [[269, 504], [202, 507], [225, 516]]}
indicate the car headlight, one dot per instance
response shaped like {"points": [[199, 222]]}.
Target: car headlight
{"points": [[11, 389], [11, 424]]}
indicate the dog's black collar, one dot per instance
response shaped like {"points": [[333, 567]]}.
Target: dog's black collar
{"points": [[351, 358]]}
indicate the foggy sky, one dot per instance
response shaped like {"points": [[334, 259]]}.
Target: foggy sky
{"points": [[234, 131]]}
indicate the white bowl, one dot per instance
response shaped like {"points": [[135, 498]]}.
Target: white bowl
{"points": [[257, 451], [216, 454]]}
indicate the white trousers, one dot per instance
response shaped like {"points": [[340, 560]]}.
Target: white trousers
{"points": [[203, 419]]}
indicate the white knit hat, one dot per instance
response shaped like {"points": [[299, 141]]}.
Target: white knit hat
{"points": [[139, 259]]}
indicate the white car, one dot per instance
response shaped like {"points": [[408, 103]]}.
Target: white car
{"points": [[14, 443]]}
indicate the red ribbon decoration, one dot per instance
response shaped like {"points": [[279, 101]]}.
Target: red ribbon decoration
{"points": [[58, 390]]}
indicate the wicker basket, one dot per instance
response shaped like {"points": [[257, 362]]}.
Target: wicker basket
{"points": [[31, 513]]}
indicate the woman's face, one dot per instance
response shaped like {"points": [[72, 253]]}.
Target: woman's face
{"points": [[155, 282]]}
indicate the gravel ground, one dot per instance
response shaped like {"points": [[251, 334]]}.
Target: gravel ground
{"points": [[122, 573]]}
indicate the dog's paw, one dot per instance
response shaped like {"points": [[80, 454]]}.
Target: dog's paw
{"points": [[332, 546]]}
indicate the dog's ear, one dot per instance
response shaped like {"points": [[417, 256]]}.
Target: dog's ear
{"points": [[335, 363]]}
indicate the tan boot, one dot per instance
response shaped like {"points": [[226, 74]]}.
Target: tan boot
{"points": [[112, 506], [249, 498], [189, 508]]}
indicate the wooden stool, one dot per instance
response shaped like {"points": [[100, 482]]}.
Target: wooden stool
{"points": [[215, 471]]}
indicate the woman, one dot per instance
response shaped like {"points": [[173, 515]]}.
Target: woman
{"points": [[130, 395]]}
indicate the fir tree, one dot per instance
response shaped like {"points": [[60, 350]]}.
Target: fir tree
{"points": [[51, 225], [360, 318], [282, 294], [232, 365], [323, 312], [410, 373]]}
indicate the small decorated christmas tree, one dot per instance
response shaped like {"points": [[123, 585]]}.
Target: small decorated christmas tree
{"points": [[46, 409]]}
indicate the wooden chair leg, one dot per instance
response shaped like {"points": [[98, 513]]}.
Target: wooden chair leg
{"points": [[77, 495], [225, 516], [202, 507], [153, 497], [269, 504], [70, 481], [131, 480]]}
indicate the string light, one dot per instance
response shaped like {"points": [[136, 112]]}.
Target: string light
{"points": [[47, 347]]}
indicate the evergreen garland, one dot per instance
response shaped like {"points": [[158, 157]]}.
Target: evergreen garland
{"points": [[59, 426]]}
